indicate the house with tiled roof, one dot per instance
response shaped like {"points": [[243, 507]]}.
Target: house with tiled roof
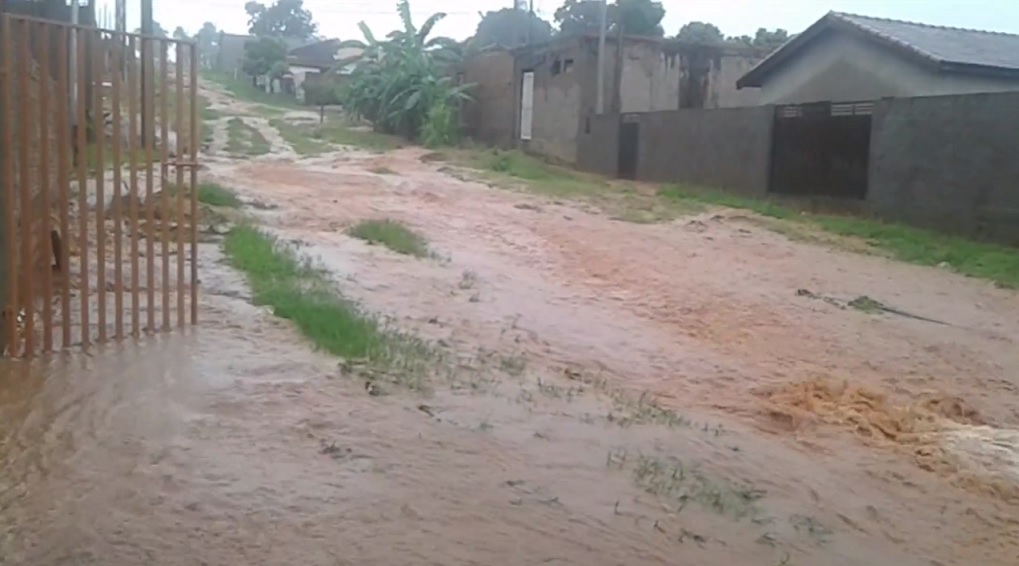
{"points": [[846, 57]]}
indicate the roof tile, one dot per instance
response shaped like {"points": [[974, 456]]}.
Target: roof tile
{"points": [[944, 44]]}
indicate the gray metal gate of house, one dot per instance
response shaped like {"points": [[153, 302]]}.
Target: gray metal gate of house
{"points": [[821, 149]]}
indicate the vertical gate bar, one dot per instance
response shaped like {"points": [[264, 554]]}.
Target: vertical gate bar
{"points": [[63, 179], [195, 132], [9, 149], [132, 148], [25, 208], [148, 107], [117, 45], [99, 128], [164, 193], [82, 173], [181, 140], [43, 251]]}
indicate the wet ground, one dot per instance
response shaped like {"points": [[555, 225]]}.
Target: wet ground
{"points": [[795, 431]]}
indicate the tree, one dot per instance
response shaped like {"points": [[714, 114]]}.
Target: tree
{"points": [[207, 39], [576, 17], [639, 17], [510, 28], [262, 56], [180, 34], [770, 40], [700, 32], [633, 17], [284, 18], [402, 84], [157, 30]]}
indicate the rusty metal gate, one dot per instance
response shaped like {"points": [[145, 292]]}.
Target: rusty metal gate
{"points": [[821, 149], [98, 163]]}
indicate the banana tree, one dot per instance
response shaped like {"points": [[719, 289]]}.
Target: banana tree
{"points": [[399, 80]]}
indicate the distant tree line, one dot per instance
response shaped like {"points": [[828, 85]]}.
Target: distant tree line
{"points": [[513, 27]]}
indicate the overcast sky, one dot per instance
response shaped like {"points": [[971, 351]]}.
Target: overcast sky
{"points": [[338, 18]]}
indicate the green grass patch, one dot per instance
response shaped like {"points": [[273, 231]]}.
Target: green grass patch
{"points": [[297, 291], [299, 138], [537, 175], [243, 139], [205, 110], [214, 194], [392, 235], [340, 134], [984, 260]]}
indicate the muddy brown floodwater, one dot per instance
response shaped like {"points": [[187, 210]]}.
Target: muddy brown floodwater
{"points": [[798, 432]]}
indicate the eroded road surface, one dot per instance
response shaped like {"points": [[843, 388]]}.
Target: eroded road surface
{"points": [[797, 431]]}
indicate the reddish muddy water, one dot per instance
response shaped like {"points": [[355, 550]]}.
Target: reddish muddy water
{"points": [[798, 432]]}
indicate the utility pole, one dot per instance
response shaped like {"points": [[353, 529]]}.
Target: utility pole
{"points": [[148, 29], [600, 95], [530, 20]]}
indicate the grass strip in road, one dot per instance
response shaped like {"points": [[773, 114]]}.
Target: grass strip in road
{"points": [[214, 194], [299, 138], [299, 292], [391, 234], [984, 260], [243, 139]]}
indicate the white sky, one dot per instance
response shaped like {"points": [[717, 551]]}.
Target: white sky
{"points": [[338, 18]]}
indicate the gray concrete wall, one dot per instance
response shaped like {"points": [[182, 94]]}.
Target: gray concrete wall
{"points": [[841, 67], [598, 145], [490, 116], [724, 148], [948, 163], [648, 77]]}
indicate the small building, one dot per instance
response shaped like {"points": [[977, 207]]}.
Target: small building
{"points": [[850, 58], [318, 59], [230, 52], [541, 96]]}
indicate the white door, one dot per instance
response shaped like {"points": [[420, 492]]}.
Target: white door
{"points": [[527, 106]]}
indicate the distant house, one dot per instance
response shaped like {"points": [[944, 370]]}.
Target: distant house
{"points": [[846, 58], [229, 57], [317, 59], [541, 97], [230, 52]]}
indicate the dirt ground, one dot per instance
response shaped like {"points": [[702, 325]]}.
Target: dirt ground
{"points": [[798, 431]]}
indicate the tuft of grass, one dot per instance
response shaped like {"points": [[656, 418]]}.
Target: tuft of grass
{"points": [[770, 209], [297, 291], [983, 260], [243, 139], [678, 482], [214, 194], [294, 290], [391, 234], [299, 138], [205, 109], [339, 134], [537, 175], [383, 170]]}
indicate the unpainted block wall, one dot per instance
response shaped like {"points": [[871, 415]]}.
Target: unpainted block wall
{"points": [[598, 145], [948, 162], [490, 115], [725, 148]]}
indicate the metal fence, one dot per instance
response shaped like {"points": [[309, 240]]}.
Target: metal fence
{"points": [[98, 235]]}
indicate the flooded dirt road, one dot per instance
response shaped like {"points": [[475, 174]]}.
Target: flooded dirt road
{"points": [[236, 444]]}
